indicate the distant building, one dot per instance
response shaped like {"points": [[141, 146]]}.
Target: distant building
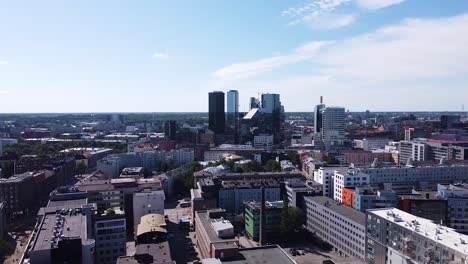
{"points": [[368, 144], [394, 236], [170, 130], [263, 141], [132, 172], [271, 226], [339, 225], [448, 121], [333, 126], [18, 194], [456, 196], [216, 112], [365, 197]]}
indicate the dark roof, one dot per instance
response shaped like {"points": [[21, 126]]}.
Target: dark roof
{"points": [[160, 252], [339, 208]]}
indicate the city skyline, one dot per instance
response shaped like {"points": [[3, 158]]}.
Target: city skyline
{"points": [[385, 55]]}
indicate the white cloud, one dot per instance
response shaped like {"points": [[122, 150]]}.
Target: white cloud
{"points": [[160, 55], [245, 70], [3, 92], [320, 14], [2, 62], [378, 4], [423, 58]]}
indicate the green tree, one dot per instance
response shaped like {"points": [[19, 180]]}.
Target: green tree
{"points": [[293, 156], [292, 221], [285, 223], [272, 165], [81, 168], [5, 248], [8, 168], [252, 166]]}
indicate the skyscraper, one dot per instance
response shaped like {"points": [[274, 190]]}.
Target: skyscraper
{"points": [[232, 101], [170, 129], [318, 116], [254, 103], [216, 114]]}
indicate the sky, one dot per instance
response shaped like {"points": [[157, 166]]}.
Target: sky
{"points": [[165, 56]]}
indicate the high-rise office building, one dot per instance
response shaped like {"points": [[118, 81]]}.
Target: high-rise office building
{"points": [[271, 103], [232, 101], [170, 129], [254, 103], [318, 116], [448, 121], [333, 126], [216, 115]]}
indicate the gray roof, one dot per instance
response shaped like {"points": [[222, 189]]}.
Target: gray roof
{"points": [[339, 208], [269, 254]]}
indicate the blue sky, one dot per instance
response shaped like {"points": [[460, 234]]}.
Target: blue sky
{"points": [[164, 56]]}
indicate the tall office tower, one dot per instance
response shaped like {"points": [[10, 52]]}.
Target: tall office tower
{"points": [[333, 126], [271, 103], [216, 115], [318, 116], [254, 103], [233, 114], [232, 101], [170, 129]]}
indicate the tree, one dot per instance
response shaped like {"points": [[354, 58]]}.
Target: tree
{"points": [[272, 165], [8, 168], [5, 248], [292, 221], [109, 211], [252, 166], [81, 168], [285, 224], [293, 156]]}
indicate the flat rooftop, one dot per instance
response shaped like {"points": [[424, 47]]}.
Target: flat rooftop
{"points": [[426, 228], [270, 255], [339, 208], [67, 224], [160, 252], [207, 224]]}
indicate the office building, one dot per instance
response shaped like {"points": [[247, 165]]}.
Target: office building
{"points": [[3, 220], [339, 225], [63, 236], [170, 130], [110, 235], [353, 178], [368, 144], [318, 111], [365, 197], [394, 236], [254, 103], [271, 224], [232, 114], [263, 141], [296, 190], [215, 235], [18, 193], [232, 102], [233, 193], [456, 196], [216, 112], [333, 126], [426, 204], [449, 121]]}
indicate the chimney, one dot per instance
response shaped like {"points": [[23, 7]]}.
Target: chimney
{"points": [[321, 99], [262, 216]]}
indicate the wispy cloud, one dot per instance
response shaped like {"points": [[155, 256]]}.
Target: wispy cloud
{"points": [[3, 62], [160, 55], [378, 4], [320, 14], [419, 56], [245, 70], [3, 92]]}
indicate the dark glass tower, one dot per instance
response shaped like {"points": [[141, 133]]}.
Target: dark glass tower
{"points": [[216, 114]]}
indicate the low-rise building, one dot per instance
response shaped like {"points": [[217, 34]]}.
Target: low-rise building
{"points": [[18, 193], [456, 196], [339, 225], [215, 235], [110, 234], [429, 205], [297, 190], [147, 202], [151, 230]]}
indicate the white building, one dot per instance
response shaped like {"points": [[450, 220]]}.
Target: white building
{"points": [[147, 202], [325, 175], [353, 178], [263, 141], [368, 144], [394, 236], [341, 226]]}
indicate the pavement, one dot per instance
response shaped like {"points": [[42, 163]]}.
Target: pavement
{"points": [[181, 241]]}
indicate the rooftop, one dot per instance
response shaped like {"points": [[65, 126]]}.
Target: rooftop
{"points": [[268, 254], [206, 222], [268, 205], [424, 227], [250, 184], [160, 252], [339, 208], [152, 223]]}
